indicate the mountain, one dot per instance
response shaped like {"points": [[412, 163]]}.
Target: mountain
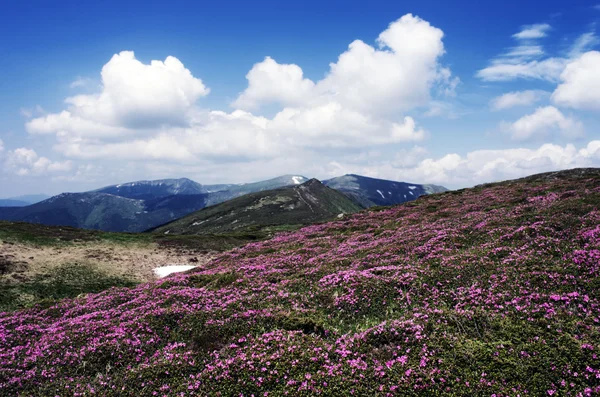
{"points": [[492, 290], [369, 192], [144, 190], [141, 205], [21, 201], [291, 206], [134, 206], [12, 203], [222, 193], [105, 211]]}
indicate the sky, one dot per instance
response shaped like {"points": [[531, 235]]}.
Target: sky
{"points": [[451, 93]]}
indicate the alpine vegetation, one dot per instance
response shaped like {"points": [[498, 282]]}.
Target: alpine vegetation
{"points": [[488, 291]]}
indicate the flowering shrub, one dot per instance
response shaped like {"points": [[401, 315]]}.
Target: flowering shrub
{"points": [[488, 291]]}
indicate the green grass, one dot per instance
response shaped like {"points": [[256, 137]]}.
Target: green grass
{"points": [[66, 281], [42, 235]]}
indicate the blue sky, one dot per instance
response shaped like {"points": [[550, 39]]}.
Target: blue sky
{"points": [[424, 105]]}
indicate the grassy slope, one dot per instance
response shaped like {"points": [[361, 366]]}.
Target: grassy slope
{"points": [[277, 209], [20, 288], [491, 290]]}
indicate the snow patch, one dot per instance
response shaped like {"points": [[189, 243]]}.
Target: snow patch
{"points": [[412, 187], [412, 194], [297, 179], [379, 191], [164, 271]]}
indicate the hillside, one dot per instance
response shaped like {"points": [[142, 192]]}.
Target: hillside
{"points": [[220, 194], [286, 207], [44, 263], [369, 192], [486, 291]]}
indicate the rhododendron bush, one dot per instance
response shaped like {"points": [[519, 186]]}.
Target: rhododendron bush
{"points": [[489, 291]]}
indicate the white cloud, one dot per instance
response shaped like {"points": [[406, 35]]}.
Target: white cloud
{"points": [[526, 60], [548, 69], [532, 32], [525, 51], [1, 145], [517, 98], [542, 122], [580, 88], [134, 95], [271, 82], [67, 124], [27, 113], [24, 161], [406, 132], [398, 75], [479, 166], [584, 43], [148, 112], [81, 82]]}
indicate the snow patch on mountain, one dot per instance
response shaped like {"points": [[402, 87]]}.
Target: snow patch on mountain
{"points": [[164, 271], [297, 180]]}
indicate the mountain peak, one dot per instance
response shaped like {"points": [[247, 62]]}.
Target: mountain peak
{"points": [[312, 182]]}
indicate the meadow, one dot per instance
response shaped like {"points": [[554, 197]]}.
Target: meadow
{"points": [[490, 291]]}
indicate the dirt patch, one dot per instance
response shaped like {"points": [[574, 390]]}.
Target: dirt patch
{"points": [[133, 261], [8, 264]]}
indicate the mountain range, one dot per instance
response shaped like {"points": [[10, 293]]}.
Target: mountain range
{"points": [[22, 201], [142, 205], [369, 192], [286, 207]]}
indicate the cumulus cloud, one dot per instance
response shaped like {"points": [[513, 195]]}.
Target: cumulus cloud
{"points": [[479, 166], [517, 98], [147, 112], [397, 75], [133, 96], [493, 165], [24, 161], [271, 82], [580, 87], [543, 121]]}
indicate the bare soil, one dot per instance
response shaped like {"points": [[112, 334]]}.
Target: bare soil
{"points": [[19, 262]]}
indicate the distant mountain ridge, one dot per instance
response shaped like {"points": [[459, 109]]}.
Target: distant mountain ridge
{"points": [[141, 205], [369, 192], [290, 206], [143, 190], [22, 201]]}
